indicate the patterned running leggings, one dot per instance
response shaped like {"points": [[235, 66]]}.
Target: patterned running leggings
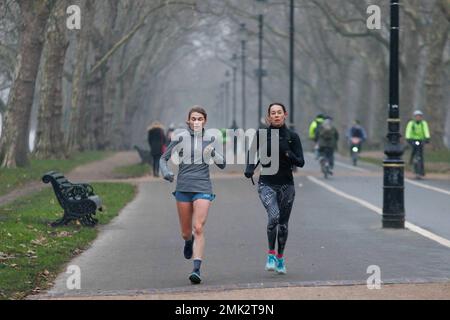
{"points": [[278, 201]]}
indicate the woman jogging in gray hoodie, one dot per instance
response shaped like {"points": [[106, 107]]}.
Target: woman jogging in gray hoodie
{"points": [[193, 191]]}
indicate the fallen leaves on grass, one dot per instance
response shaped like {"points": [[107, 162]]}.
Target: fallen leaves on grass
{"points": [[31, 254], [5, 256], [41, 241]]}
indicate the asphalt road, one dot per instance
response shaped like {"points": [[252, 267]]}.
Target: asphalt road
{"points": [[332, 239]]}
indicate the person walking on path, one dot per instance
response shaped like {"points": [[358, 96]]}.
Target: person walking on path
{"points": [[277, 191], [327, 138], [193, 191], [157, 142]]}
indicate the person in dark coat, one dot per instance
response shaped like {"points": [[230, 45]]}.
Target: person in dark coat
{"points": [[157, 142]]}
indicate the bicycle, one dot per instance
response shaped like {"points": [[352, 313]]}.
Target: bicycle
{"points": [[417, 159], [355, 148], [325, 164]]}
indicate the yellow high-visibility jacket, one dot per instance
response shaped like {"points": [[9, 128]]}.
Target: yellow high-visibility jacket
{"points": [[417, 130]]}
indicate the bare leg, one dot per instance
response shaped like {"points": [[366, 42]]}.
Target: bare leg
{"points": [[201, 207], [185, 213]]}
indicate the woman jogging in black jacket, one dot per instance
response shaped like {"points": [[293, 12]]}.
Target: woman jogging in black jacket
{"points": [[277, 191]]}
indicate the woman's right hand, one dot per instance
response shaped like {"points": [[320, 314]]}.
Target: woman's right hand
{"points": [[169, 177]]}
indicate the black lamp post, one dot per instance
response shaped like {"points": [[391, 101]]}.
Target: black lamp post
{"points": [[234, 63], [393, 165], [227, 97], [291, 64], [221, 104], [260, 72], [243, 34]]}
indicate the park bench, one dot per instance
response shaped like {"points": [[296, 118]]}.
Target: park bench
{"points": [[77, 199], [145, 155]]}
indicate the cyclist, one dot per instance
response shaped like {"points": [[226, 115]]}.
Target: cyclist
{"points": [[417, 133], [313, 128], [327, 139]]}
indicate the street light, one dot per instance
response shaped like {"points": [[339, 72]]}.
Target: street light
{"points": [[393, 165], [260, 72], [227, 97], [243, 35], [220, 98], [234, 59], [291, 63]]}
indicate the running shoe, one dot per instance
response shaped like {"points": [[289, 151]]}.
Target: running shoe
{"points": [[271, 262], [281, 266], [188, 248], [195, 278]]}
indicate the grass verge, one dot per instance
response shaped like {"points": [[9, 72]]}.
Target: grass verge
{"points": [[11, 179], [32, 253], [132, 171], [435, 161]]}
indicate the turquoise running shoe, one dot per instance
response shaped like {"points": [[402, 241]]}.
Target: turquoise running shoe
{"points": [[271, 262], [281, 266], [195, 277]]}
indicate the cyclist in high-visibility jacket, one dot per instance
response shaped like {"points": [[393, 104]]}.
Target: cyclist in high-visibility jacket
{"points": [[417, 130], [313, 130]]}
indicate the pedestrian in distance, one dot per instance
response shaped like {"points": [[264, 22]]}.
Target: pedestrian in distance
{"points": [[193, 192], [277, 191], [327, 139], [157, 142]]}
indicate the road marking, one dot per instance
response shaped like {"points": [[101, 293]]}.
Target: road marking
{"points": [[422, 185], [350, 167], [417, 184], [341, 164], [408, 225]]}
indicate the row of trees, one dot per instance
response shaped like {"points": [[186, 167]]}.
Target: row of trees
{"points": [[96, 88], [87, 83]]}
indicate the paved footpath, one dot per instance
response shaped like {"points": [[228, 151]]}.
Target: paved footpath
{"points": [[333, 240]]}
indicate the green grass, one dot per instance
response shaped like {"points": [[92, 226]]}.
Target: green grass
{"points": [[32, 253], [376, 161], [435, 161], [438, 156], [11, 179], [132, 171]]}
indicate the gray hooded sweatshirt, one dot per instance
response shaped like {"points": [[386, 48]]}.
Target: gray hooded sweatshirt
{"points": [[193, 173]]}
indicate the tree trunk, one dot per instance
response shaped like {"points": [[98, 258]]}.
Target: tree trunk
{"points": [[49, 135], [78, 114], [435, 110], [14, 143]]}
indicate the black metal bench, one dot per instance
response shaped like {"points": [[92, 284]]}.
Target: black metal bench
{"points": [[78, 200], [145, 155]]}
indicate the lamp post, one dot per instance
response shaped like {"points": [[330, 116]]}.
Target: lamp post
{"points": [[221, 104], [243, 34], [260, 72], [227, 97], [291, 64], [234, 59], [393, 165]]}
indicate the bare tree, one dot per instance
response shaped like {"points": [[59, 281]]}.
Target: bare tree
{"points": [[14, 142]]}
